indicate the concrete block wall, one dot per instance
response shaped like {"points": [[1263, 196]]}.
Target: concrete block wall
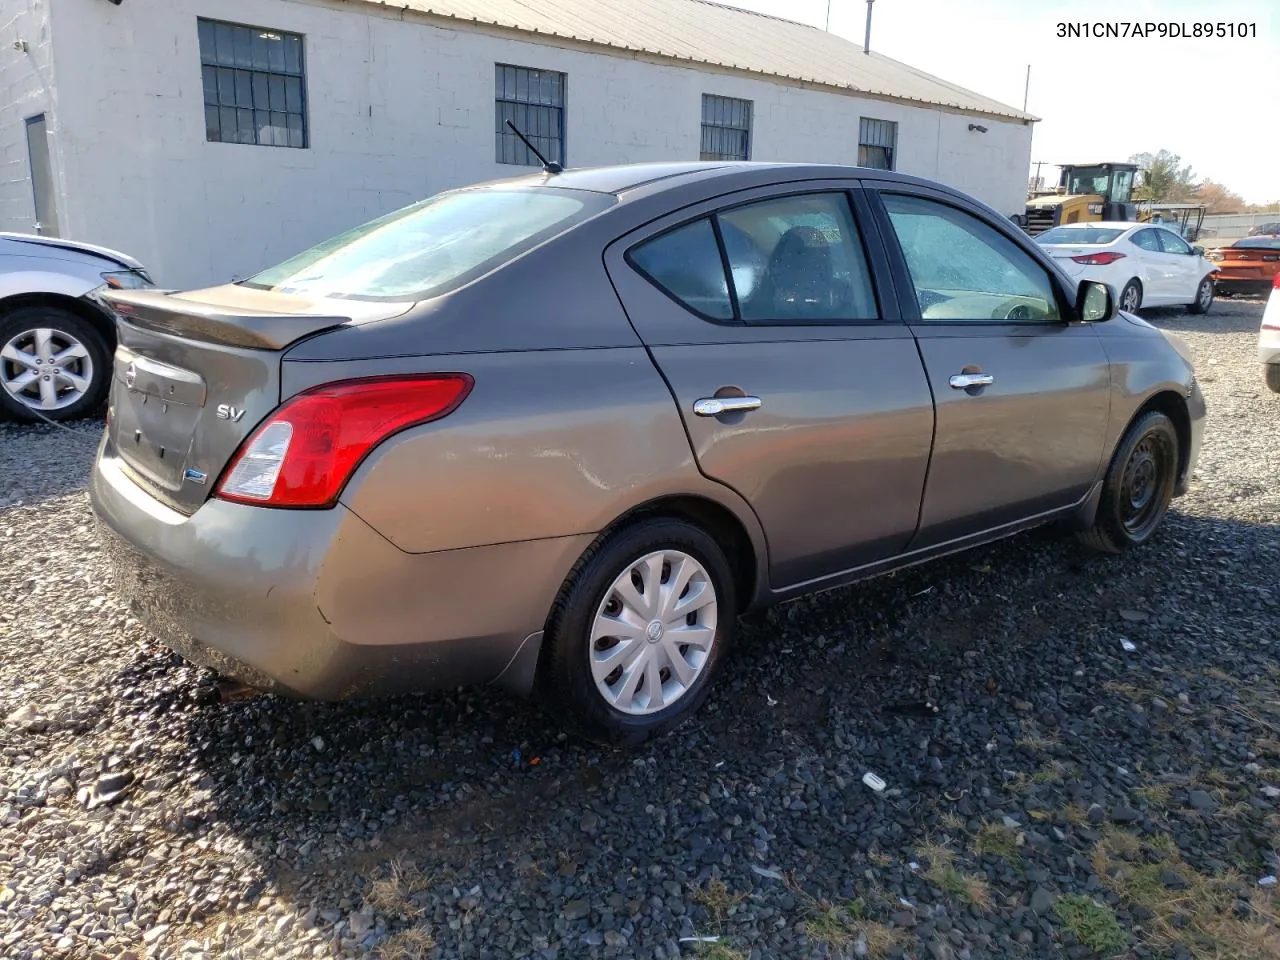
{"points": [[399, 109]]}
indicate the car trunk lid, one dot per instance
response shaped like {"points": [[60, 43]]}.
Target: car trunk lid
{"points": [[194, 373]]}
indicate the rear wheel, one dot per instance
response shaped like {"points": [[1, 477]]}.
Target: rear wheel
{"points": [[1138, 486], [1273, 376], [639, 631], [1204, 297], [53, 364], [1131, 296]]}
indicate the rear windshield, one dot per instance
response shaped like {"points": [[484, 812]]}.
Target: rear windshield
{"points": [[1259, 243], [1086, 236], [430, 247]]}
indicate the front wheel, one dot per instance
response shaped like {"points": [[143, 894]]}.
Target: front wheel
{"points": [[638, 632], [1131, 296], [1204, 297], [1138, 486]]}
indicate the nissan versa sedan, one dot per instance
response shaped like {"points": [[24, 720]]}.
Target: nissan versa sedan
{"points": [[556, 433]]}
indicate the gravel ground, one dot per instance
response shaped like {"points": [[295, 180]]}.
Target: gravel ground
{"points": [[1068, 798]]}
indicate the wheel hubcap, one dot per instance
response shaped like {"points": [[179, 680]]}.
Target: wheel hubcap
{"points": [[653, 632], [1142, 487], [1206, 293], [1131, 298], [45, 369]]}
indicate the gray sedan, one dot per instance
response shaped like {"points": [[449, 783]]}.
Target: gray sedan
{"points": [[556, 433]]}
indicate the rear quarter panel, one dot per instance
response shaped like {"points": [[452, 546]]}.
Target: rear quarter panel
{"points": [[549, 443]]}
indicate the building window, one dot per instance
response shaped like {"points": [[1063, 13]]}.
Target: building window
{"points": [[254, 85], [534, 101], [877, 143], [726, 128]]}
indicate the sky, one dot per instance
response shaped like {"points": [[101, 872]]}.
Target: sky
{"points": [[1214, 102]]}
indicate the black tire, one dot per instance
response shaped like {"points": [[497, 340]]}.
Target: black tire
{"points": [[1122, 522], [1204, 300], [1273, 376], [1131, 289], [65, 323], [565, 682]]}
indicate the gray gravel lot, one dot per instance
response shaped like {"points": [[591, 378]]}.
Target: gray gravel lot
{"points": [[1067, 799]]}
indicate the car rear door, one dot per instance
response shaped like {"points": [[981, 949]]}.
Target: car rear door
{"points": [[778, 331], [1158, 284], [1022, 395]]}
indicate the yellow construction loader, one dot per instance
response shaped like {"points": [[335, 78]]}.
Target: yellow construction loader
{"points": [[1086, 192]]}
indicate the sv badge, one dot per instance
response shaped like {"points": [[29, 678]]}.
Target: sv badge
{"points": [[227, 412]]}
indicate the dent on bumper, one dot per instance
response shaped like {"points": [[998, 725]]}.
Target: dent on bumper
{"points": [[318, 604]]}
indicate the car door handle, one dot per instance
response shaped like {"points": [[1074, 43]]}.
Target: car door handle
{"points": [[718, 406], [964, 381]]}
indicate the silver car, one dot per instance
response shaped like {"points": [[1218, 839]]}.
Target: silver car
{"points": [[56, 335]]}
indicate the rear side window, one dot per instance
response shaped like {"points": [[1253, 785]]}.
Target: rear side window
{"points": [[685, 263], [797, 259], [790, 260], [433, 246]]}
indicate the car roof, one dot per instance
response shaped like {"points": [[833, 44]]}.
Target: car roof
{"points": [[624, 178], [1105, 225]]}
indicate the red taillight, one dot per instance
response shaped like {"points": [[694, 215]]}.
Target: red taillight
{"points": [[1275, 280], [304, 453], [1099, 259]]}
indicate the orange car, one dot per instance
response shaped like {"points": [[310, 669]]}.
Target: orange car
{"points": [[1246, 266]]}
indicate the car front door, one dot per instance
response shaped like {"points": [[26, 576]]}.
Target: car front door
{"points": [[799, 384], [1182, 266], [1022, 395]]}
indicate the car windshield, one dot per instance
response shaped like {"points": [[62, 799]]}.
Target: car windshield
{"points": [[1086, 236], [433, 246]]}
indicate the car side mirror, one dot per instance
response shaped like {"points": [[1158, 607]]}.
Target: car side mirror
{"points": [[1198, 251], [1095, 302]]}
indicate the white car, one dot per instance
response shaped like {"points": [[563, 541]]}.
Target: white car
{"points": [[56, 336], [1148, 264], [1269, 337]]}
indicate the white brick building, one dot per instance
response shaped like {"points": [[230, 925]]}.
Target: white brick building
{"points": [[210, 138]]}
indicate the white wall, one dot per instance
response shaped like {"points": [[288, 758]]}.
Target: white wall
{"points": [[26, 89], [397, 111]]}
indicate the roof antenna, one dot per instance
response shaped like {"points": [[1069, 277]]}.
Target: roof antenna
{"points": [[550, 166]]}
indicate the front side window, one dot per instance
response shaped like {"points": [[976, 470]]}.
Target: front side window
{"points": [[534, 101], [726, 128], [1173, 243], [432, 246], [964, 270], [877, 143], [254, 85]]}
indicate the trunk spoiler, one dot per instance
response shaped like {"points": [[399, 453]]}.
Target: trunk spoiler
{"points": [[165, 312]]}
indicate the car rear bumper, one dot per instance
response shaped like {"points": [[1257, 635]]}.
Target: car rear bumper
{"points": [[317, 604], [1269, 337], [1242, 285]]}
